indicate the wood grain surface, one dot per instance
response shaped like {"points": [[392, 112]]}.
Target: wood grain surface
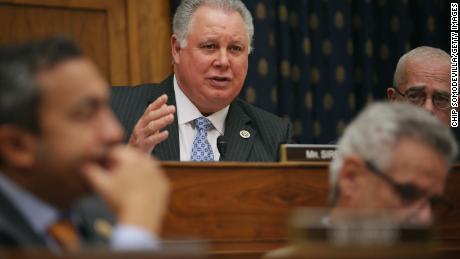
{"points": [[244, 207]]}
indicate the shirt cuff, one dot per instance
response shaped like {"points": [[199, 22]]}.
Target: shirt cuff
{"points": [[129, 237]]}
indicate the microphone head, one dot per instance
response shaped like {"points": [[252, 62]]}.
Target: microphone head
{"points": [[221, 145], [220, 138]]}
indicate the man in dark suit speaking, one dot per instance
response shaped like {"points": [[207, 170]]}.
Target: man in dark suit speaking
{"points": [[195, 114]]}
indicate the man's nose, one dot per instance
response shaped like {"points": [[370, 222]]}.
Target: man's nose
{"points": [[222, 59], [429, 106], [112, 131]]}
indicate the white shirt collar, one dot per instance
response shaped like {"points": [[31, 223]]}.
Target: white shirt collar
{"points": [[39, 214], [187, 111]]}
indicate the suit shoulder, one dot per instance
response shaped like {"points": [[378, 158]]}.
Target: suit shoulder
{"points": [[137, 89], [140, 94], [142, 89], [260, 114], [272, 131], [271, 126]]}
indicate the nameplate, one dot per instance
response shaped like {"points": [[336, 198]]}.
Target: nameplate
{"points": [[307, 152]]}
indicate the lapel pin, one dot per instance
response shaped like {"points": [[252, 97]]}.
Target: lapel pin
{"points": [[103, 227], [245, 134]]}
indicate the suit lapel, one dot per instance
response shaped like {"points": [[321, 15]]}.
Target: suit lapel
{"points": [[15, 227], [168, 150], [237, 124]]}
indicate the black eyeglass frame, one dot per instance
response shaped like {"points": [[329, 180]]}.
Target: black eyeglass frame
{"points": [[420, 104], [408, 192]]}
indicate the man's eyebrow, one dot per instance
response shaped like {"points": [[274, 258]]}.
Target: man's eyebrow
{"points": [[89, 102], [416, 87], [238, 41], [441, 92]]}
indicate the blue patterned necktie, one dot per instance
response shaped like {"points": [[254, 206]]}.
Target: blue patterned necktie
{"points": [[201, 150]]}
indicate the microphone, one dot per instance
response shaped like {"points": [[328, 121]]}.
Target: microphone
{"points": [[221, 147]]}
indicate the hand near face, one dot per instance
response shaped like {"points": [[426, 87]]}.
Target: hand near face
{"points": [[147, 131], [133, 185]]}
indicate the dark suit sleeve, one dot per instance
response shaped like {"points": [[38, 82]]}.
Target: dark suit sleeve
{"points": [[289, 133], [286, 127], [128, 104]]}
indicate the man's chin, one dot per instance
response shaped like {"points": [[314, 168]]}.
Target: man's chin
{"points": [[217, 100]]}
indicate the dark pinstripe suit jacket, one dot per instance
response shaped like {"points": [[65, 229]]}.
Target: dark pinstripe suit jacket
{"points": [[267, 131]]}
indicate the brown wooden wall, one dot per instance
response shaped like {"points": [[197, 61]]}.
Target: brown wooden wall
{"points": [[128, 39]]}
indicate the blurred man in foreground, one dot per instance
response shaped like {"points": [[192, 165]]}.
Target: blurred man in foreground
{"points": [[422, 77], [195, 114], [393, 156], [59, 138], [393, 160]]}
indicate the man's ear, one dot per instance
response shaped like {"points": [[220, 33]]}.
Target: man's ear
{"points": [[175, 49], [350, 179], [17, 146], [391, 94]]}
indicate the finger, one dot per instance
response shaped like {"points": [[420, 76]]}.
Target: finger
{"points": [[157, 125], [160, 101], [157, 104], [156, 138], [156, 114]]}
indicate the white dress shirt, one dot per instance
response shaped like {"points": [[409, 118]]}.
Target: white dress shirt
{"points": [[40, 215], [186, 114]]}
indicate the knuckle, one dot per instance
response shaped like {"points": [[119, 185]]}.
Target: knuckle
{"points": [[153, 125]]}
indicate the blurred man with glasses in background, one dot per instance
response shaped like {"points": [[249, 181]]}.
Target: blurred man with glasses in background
{"points": [[422, 77]]}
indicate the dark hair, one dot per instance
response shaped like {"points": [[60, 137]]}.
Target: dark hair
{"points": [[19, 65]]}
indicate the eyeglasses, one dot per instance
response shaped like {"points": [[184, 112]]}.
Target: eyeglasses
{"points": [[418, 97], [410, 193]]}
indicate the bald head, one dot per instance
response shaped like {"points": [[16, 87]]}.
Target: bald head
{"points": [[423, 54], [422, 77]]}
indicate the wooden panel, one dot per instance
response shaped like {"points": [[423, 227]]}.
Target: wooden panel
{"points": [[128, 39], [149, 24], [448, 222], [243, 207], [240, 202], [99, 254], [22, 23], [98, 26]]}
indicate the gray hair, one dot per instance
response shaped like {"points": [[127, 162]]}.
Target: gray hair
{"points": [[376, 132], [419, 53], [183, 17]]}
